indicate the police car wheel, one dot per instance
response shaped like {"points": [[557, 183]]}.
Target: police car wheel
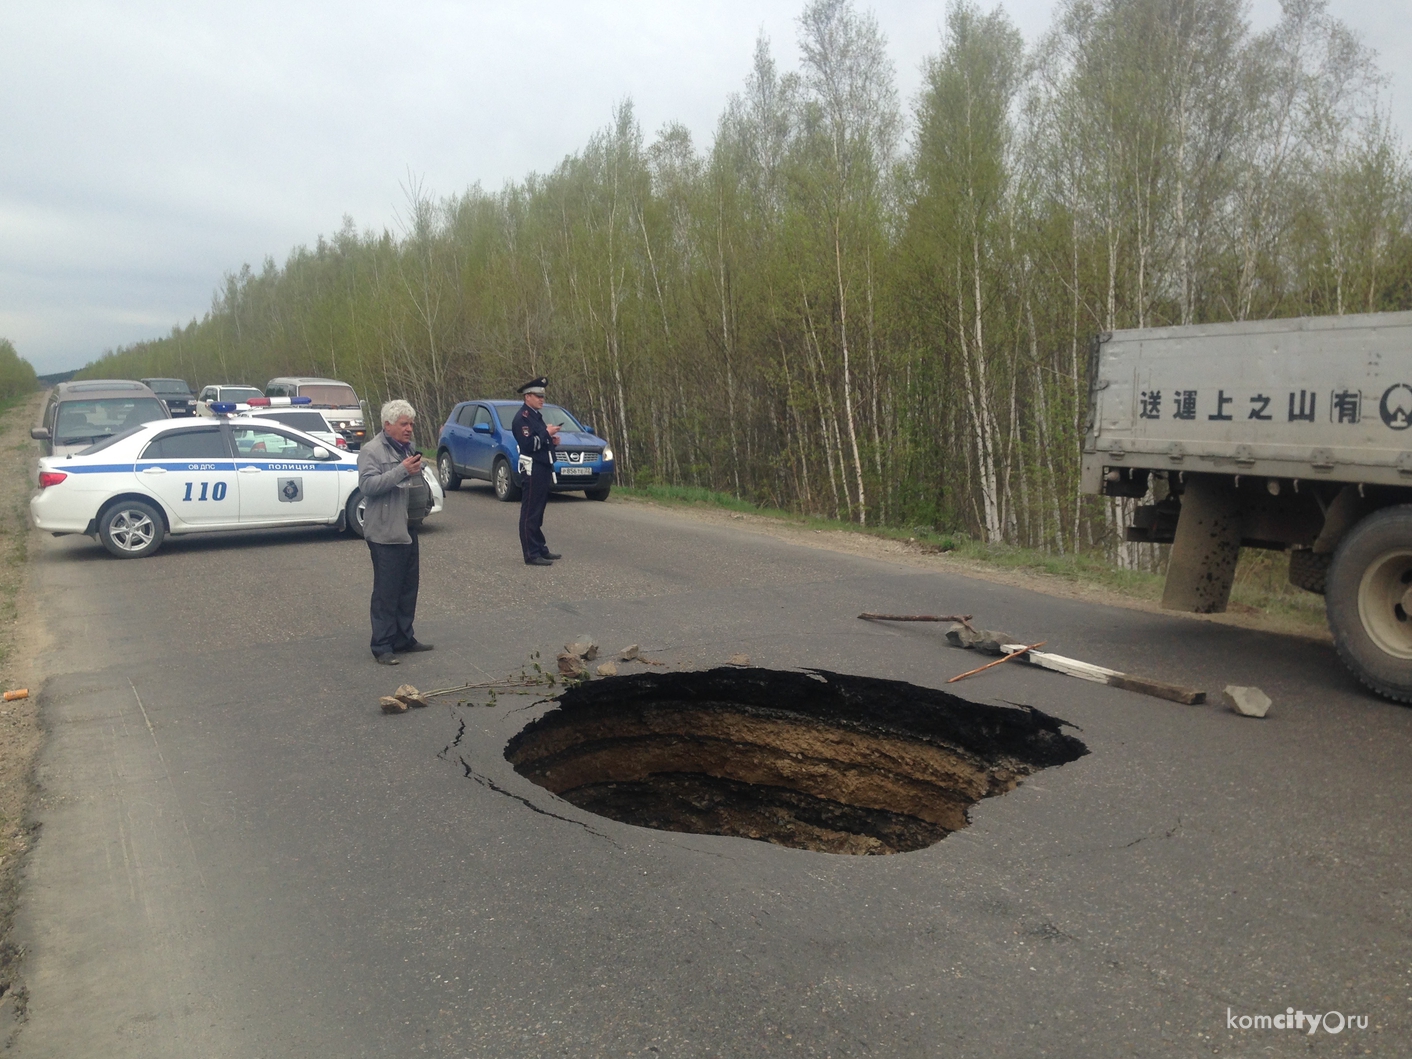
{"points": [[131, 529], [356, 511], [446, 472], [505, 487]]}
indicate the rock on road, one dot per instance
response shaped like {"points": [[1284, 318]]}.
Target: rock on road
{"points": [[241, 856]]}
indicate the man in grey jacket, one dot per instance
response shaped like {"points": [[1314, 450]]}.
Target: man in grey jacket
{"points": [[388, 469]]}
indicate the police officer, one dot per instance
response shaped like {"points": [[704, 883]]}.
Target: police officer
{"points": [[536, 441]]}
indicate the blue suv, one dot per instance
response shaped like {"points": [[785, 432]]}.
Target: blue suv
{"points": [[476, 443]]}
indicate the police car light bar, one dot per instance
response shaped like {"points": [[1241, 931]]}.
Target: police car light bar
{"points": [[277, 402], [222, 408]]}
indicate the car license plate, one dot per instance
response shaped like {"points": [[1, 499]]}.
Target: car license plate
{"points": [[573, 472]]}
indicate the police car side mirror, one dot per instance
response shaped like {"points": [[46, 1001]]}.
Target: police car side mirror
{"points": [[321, 453], [39, 433]]}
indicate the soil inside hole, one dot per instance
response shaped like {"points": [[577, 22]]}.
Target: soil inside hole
{"points": [[817, 760]]}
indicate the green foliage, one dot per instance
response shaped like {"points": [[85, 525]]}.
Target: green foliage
{"points": [[16, 375], [813, 316]]}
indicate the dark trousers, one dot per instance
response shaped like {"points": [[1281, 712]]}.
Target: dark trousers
{"points": [[534, 494], [396, 577]]}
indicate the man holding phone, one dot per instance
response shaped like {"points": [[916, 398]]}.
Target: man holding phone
{"points": [[389, 471]]}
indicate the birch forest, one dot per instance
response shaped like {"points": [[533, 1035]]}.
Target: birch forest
{"points": [[858, 306]]}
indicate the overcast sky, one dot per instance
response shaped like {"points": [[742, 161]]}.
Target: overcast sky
{"points": [[148, 148]]}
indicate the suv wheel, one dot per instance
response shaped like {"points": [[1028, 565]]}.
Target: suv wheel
{"points": [[505, 487], [131, 529], [446, 471]]}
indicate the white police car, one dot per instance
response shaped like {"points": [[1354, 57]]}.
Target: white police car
{"points": [[177, 476]]}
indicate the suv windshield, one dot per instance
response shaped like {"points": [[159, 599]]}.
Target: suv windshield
{"points": [[329, 394], [112, 439], [168, 386], [554, 416], [77, 421]]}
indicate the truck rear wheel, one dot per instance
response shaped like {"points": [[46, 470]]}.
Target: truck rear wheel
{"points": [[1368, 600]]}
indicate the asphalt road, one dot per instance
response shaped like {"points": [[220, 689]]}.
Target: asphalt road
{"points": [[241, 856]]}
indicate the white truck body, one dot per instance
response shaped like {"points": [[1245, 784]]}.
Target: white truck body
{"points": [[1314, 398], [1286, 434]]}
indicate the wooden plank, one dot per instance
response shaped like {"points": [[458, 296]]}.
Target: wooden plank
{"points": [[962, 618], [1099, 675], [1172, 692], [1071, 667]]}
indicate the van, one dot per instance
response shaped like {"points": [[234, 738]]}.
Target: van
{"points": [[83, 413], [338, 401]]}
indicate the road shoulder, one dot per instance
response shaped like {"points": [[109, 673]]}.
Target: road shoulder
{"points": [[915, 555], [21, 735]]}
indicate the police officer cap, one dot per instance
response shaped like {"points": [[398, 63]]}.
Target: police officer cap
{"points": [[535, 386]]}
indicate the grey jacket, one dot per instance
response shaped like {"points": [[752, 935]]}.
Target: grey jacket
{"points": [[382, 478]]}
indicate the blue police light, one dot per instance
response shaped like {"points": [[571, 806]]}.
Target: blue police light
{"points": [[301, 400], [222, 408]]}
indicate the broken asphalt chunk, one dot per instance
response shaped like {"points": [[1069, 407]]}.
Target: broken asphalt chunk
{"points": [[1249, 702]]}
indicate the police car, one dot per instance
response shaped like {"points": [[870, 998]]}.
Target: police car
{"points": [[177, 477]]}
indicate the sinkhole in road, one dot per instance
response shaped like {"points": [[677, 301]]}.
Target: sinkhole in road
{"points": [[811, 760]]}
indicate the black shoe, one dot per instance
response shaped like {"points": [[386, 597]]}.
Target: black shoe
{"points": [[413, 647], [387, 660], [539, 560], [552, 555]]}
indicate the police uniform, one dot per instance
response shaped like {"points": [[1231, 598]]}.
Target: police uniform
{"points": [[536, 468]]}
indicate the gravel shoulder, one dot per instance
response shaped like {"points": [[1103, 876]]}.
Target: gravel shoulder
{"points": [[20, 733], [922, 557]]}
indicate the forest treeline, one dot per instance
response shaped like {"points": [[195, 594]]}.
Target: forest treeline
{"points": [[850, 307], [16, 374]]}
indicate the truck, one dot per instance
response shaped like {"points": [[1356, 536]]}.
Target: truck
{"points": [[1286, 434], [337, 400]]}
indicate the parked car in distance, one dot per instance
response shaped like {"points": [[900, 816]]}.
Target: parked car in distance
{"points": [[175, 394], [337, 400], [83, 413], [309, 420], [235, 393], [476, 442]]}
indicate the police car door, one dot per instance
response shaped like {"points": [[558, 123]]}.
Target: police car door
{"points": [[280, 481], [191, 472]]}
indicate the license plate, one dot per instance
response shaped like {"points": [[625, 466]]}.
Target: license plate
{"points": [[573, 472]]}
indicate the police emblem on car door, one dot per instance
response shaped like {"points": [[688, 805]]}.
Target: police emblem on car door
{"points": [[280, 480]]}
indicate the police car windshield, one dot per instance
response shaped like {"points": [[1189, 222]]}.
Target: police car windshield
{"points": [[97, 419], [554, 416]]}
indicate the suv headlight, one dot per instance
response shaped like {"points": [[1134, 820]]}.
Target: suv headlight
{"points": [[607, 454]]}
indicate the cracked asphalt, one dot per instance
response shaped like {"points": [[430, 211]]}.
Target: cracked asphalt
{"points": [[239, 855]]}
